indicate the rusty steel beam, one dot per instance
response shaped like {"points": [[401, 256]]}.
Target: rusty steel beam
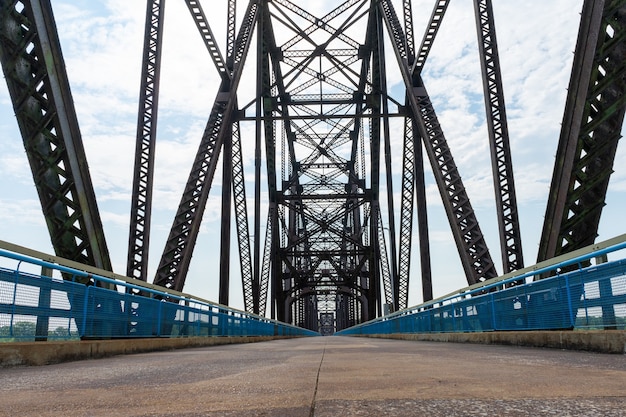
{"points": [[471, 245], [34, 69], [591, 129], [141, 200], [501, 162], [174, 264]]}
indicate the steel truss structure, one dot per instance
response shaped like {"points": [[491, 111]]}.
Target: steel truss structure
{"points": [[325, 120], [592, 122], [35, 72]]}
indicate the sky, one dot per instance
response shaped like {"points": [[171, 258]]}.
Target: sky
{"points": [[102, 43]]}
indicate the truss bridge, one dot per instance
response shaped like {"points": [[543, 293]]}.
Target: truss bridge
{"points": [[319, 147]]}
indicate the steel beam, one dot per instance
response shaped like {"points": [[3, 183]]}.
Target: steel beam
{"points": [[241, 221], [391, 212], [407, 198], [231, 32], [475, 256], [422, 220], [266, 265], [407, 7], [409, 180], [37, 81], [265, 109], [141, 199], [434, 24], [174, 264], [385, 272], [227, 186], [501, 162], [199, 18], [592, 124]]}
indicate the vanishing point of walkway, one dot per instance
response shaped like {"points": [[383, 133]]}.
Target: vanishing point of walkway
{"points": [[324, 376]]}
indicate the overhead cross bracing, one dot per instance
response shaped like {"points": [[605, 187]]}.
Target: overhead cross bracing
{"points": [[336, 115]]}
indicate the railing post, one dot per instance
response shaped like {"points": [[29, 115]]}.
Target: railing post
{"points": [[569, 302], [493, 312], [184, 328], [453, 309], [43, 321], [198, 316], [159, 318], [82, 331], [606, 292], [525, 306], [17, 274], [429, 313]]}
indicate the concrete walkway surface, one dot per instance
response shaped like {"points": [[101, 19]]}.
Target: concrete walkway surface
{"points": [[325, 376]]}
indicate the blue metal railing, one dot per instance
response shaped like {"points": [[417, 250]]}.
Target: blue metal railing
{"points": [[36, 307], [40, 307], [592, 297]]}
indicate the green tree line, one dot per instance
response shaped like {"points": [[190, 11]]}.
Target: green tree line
{"points": [[25, 330]]}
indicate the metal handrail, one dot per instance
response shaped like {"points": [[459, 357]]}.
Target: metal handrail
{"points": [[494, 285], [180, 300]]}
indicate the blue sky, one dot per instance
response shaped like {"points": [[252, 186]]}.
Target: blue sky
{"points": [[102, 44]]}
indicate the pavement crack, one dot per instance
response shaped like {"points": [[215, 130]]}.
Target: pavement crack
{"points": [[317, 381]]}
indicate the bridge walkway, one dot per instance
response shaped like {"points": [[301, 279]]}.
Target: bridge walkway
{"points": [[324, 376]]}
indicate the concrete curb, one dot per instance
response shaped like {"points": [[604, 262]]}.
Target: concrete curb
{"points": [[46, 353], [604, 341]]}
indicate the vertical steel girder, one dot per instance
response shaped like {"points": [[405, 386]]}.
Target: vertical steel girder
{"points": [[475, 256], [227, 181], [241, 222], [592, 123], [381, 85], [174, 264], [413, 166], [248, 278], [385, 272], [264, 279], [380, 265], [413, 186], [263, 91], [408, 181], [406, 212], [35, 73], [502, 165], [422, 219], [141, 203], [268, 263]]}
